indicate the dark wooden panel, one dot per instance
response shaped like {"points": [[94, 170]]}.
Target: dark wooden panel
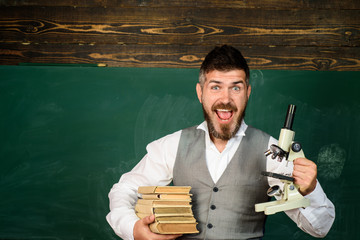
{"points": [[277, 4], [278, 34], [183, 56], [193, 26]]}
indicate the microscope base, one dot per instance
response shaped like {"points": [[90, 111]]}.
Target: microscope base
{"points": [[281, 205]]}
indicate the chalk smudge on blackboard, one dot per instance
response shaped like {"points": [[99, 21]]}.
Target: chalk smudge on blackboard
{"points": [[331, 160], [160, 116], [256, 78]]}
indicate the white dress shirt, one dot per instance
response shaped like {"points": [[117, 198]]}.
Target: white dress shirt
{"points": [[156, 168]]}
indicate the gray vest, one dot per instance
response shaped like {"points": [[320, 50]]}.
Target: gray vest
{"points": [[224, 210]]}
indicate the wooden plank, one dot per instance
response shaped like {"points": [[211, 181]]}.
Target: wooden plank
{"points": [[273, 4], [181, 56], [180, 26]]}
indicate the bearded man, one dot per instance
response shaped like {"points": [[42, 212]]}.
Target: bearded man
{"points": [[222, 160]]}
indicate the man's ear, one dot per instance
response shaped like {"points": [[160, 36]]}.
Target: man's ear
{"points": [[248, 91], [199, 92]]}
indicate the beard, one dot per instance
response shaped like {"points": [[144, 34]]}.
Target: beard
{"points": [[226, 132]]}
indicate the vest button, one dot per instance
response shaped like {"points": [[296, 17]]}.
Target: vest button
{"points": [[215, 189], [212, 207], [209, 225]]}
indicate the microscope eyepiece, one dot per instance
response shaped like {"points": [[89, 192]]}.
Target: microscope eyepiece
{"points": [[290, 117]]}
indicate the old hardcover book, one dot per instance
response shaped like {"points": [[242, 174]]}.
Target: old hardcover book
{"points": [[175, 210], [164, 196], [169, 219], [160, 202], [173, 228], [164, 189]]}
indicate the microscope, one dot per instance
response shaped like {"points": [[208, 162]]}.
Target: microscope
{"points": [[289, 150]]}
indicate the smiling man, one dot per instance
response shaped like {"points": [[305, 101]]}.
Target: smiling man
{"points": [[222, 160]]}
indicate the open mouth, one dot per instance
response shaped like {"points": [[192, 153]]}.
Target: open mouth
{"points": [[224, 114]]}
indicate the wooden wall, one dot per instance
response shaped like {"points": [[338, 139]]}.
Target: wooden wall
{"points": [[272, 34]]}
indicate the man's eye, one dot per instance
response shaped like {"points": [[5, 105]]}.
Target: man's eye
{"points": [[236, 88], [215, 87]]}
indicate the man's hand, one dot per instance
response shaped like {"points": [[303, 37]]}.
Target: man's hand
{"points": [[142, 230], [305, 172]]}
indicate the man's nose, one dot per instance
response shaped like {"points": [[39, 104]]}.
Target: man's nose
{"points": [[225, 96]]}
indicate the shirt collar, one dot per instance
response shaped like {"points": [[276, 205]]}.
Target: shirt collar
{"points": [[241, 132]]}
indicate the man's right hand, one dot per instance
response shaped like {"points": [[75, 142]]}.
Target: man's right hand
{"points": [[142, 231]]}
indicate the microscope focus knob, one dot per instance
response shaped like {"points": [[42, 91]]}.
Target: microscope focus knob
{"points": [[296, 147], [274, 191]]}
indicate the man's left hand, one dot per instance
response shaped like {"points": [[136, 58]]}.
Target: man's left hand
{"points": [[304, 173]]}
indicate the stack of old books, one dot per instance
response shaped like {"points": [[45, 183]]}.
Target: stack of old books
{"points": [[171, 206]]}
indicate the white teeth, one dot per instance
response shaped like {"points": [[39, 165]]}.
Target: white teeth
{"points": [[223, 110]]}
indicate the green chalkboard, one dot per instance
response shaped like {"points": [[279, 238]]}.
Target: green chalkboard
{"points": [[68, 133]]}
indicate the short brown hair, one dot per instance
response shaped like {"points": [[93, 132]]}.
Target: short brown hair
{"points": [[224, 58]]}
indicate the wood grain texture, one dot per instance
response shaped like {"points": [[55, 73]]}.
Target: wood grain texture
{"points": [[273, 4], [313, 35], [180, 26], [180, 56]]}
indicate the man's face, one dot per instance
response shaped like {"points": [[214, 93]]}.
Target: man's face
{"points": [[224, 97]]}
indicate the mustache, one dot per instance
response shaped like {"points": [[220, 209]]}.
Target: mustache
{"points": [[227, 106]]}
